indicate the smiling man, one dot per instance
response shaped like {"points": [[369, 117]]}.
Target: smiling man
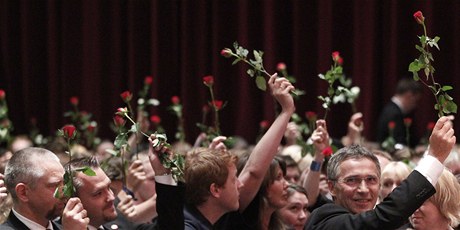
{"points": [[354, 182]]}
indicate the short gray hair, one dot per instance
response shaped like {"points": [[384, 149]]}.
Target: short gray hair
{"points": [[351, 152], [24, 167]]}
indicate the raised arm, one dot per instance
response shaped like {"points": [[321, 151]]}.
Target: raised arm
{"points": [[254, 170], [320, 138]]}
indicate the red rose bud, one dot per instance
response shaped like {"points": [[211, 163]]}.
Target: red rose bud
{"points": [[175, 100], [340, 61], [118, 120], [69, 131], [391, 125], [126, 96], [281, 67], [430, 125], [208, 80], [74, 101], [226, 52], [418, 16], [327, 151], [2, 94], [155, 119], [5, 123], [310, 115], [407, 121], [217, 104], [148, 80], [91, 128], [264, 124], [335, 55]]}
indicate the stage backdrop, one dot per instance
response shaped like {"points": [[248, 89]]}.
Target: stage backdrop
{"points": [[96, 49]]}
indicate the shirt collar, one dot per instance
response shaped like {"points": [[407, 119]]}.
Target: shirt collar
{"points": [[31, 224]]}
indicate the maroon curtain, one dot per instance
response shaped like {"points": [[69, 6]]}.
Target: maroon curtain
{"points": [[95, 49]]}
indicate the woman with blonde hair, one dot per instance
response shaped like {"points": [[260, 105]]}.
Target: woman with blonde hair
{"points": [[392, 176], [442, 210]]}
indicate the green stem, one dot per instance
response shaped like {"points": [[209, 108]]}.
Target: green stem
{"points": [[216, 111]]}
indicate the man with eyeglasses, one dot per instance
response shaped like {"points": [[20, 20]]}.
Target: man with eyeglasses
{"points": [[354, 182]]}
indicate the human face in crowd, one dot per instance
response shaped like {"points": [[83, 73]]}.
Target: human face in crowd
{"points": [[390, 180], [357, 185], [295, 213], [428, 217], [231, 190], [97, 197], [277, 192], [41, 198], [292, 175]]}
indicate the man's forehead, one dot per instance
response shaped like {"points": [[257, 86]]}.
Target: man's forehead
{"points": [[358, 166]]}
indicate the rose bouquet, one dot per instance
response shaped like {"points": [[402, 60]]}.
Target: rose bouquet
{"points": [[444, 102]]}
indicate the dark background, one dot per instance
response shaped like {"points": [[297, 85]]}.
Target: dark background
{"points": [[96, 49]]}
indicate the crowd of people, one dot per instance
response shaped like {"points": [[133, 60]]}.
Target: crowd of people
{"points": [[344, 183]]}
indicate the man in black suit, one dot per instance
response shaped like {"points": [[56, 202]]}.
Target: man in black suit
{"points": [[354, 182], [401, 106], [32, 176]]}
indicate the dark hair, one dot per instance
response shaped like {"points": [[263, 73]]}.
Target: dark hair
{"points": [[408, 85]]}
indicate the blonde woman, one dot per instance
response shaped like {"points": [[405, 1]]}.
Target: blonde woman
{"points": [[392, 176], [442, 210]]}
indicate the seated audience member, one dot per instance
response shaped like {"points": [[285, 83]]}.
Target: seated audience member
{"points": [[20, 142], [392, 176], [98, 198], [217, 197], [5, 155], [453, 162], [355, 128], [295, 214], [354, 181], [101, 150], [292, 170], [442, 210], [383, 157], [32, 176]]}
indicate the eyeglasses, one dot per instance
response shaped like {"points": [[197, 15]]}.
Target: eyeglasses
{"points": [[355, 181]]}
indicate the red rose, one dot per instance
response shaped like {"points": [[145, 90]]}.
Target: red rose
{"points": [[126, 96], [91, 128], [119, 121], [407, 121], [175, 100], [430, 125], [327, 151], [264, 124], [148, 80], [74, 101], [335, 55], [391, 125], [69, 131], [5, 123], [281, 66], [155, 119], [310, 115], [226, 52], [2, 94], [208, 80], [418, 16], [33, 121], [340, 61], [217, 104]]}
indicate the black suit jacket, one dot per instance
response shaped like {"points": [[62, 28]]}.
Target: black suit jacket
{"points": [[390, 214], [391, 112], [14, 223]]}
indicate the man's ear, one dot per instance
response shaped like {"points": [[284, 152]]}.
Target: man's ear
{"points": [[331, 185], [22, 191], [215, 190]]}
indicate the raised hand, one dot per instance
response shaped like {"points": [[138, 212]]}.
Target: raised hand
{"points": [[442, 139], [74, 215]]}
